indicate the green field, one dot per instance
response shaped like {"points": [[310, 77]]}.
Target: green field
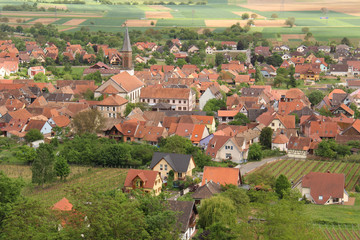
{"points": [[111, 17], [295, 169]]}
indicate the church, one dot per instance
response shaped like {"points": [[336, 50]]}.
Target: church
{"points": [[125, 84]]}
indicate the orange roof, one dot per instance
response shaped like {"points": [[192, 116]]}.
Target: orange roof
{"points": [[21, 114], [280, 139], [61, 120], [227, 113], [110, 90], [63, 205], [127, 82], [286, 108], [167, 93], [113, 101], [147, 176], [221, 175], [197, 133]]}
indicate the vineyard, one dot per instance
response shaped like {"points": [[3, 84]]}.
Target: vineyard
{"points": [[98, 179], [295, 169], [337, 232]]}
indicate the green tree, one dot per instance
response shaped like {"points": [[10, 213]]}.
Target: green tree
{"points": [[346, 41], [355, 109], [258, 75], [217, 209], [152, 61], [90, 121], [176, 144], [10, 192], [266, 137], [26, 154], [34, 220], [292, 81], [96, 76], [274, 15], [213, 105], [255, 152], [33, 135], [40, 77], [324, 111], [245, 16], [219, 59], [315, 97], [43, 166], [62, 168], [180, 62], [290, 21], [240, 119], [282, 186]]}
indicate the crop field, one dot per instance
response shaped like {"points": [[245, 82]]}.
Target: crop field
{"points": [[342, 17], [335, 233], [295, 169]]}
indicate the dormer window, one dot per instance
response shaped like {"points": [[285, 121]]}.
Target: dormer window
{"points": [[320, 197], [129, 131]]}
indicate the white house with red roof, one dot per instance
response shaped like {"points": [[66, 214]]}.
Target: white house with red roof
{"points": [[32, 71], [323, 188]]}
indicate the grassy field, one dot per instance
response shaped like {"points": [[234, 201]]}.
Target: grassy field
{"points": [[99, 179], [295, 169], [111, 17]]}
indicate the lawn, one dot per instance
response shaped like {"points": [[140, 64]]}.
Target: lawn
{"points": [[295, 169], [335, 214]]}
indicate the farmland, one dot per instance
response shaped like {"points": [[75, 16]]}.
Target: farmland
{"points": [[295, 169], [102, 179], [341, 20]]}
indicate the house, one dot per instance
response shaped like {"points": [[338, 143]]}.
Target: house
{"points": [[181, 99], [226, 116], [280, 142], [229, 44], [185, 218], [206, 191], [43, 126], [221, 175], [122, 84], [301, 48], [227, 147], [193, 49], [174, 49], [181, 164], [339, 69], [298, 147], [323, 188], [325, 49], [353, 130], [211, 92], [32, 71], [146, 180], [113, 106], [308, 71], [263, 51], [104, 69], [210, 50]]}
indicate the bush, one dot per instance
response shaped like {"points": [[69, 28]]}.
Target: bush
{"points": [[357, 188]]}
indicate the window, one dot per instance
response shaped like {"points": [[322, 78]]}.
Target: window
{"points": [[173, 101], [109, 115], [231, 147], [320, 197], [179, 175], [107, 108], [228, 155], [101, 108], [114, 109], [272, 124], [161, 167], [165, 167]]}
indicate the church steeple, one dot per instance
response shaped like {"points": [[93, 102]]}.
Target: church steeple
{"points": [[126, 51], [126, 46]]}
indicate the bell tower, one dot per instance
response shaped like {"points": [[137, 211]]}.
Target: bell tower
{"points": [[126, 52]]}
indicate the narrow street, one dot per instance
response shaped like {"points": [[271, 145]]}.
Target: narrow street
{"points": [[250, 166]]}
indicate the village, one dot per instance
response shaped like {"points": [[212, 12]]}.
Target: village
{"points": [[257, 105]]}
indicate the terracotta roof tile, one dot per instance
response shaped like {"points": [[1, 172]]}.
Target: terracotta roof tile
{"points": [[221, 175], [127, 82], [148, 176]]}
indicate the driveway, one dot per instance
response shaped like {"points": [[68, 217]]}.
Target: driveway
{"points": [[250, 166]]}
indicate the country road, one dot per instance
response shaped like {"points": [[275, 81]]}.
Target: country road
{"points": [[250, 166]]}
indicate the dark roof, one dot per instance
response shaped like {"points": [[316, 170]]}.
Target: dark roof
{"points": [[338, 68], [338, 98], [207, 190], [170, 113], [251, 92], [254, 113], [305, 111], [184, 208], [126, 46], [178, 162], [59, 97]]}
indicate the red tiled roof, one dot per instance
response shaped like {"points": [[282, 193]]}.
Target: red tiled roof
{"points": [[299, 143], [113, 101], [21, 114], [280, 139], [168, 93], [324, 185], [147, 176], [127, 82], [63, 205], [221, 175], [61, 121]]}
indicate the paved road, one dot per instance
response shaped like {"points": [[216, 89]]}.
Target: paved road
{"points": [[250, 166]]}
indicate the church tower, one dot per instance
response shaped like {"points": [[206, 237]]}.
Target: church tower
{"points": [[126, 52]]}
